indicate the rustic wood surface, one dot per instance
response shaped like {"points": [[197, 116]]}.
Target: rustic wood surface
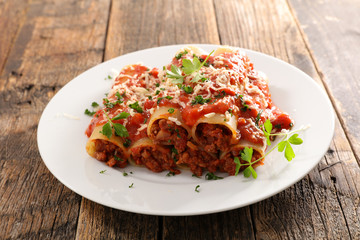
{"points": [[46, 43]]}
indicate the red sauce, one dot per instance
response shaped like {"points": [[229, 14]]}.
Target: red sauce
{"points": [[191, 114], [251, 106]]}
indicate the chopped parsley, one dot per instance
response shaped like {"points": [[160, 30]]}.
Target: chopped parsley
{"points": [[197, 188], [89, 113], [245, 106], [118, 159], [171, 110], [161, 98], [178, 56], [127, 142], [170, 173], [258, 118], [221, 94], [200, 100], [136, 107], [212, 176], [187, 89]]}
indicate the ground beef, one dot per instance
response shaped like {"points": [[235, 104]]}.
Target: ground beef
{"points": [[213, 137], [108, 152], [168, 133], [155, 158], [198, 161]]}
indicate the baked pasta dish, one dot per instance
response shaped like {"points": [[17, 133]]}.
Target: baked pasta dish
{"points": [[198, 112]]}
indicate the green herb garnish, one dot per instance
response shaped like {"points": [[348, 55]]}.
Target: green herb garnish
{"points": [[127, 142], [212, 176], [89, 113], [190, 67], [284, 144], [178, 56], [136, 107], [200, 100], [119, 129], [170, 173], [175, 74]]}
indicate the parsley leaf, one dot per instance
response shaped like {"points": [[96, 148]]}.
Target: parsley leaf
{"points": [[295, 140], [286, 145], [122, 115], [283, 145], [250, 171], [267, 131], [106, 130], [237, 164], [191, 66], [246, 154], [120, 130], [176, 74]]}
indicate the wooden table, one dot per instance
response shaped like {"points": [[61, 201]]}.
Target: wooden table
{"points": [[46, 43]]}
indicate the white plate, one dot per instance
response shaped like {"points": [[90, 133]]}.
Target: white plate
{"points": [[61, 142]]}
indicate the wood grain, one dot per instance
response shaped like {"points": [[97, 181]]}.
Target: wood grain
{"points": [[333, 35], [12, 16], [132, 26], [50, 48], [314, 206], [236, 224], [45, 43]]}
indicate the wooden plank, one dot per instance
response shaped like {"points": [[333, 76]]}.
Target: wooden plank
{"points": [[99, 222], [12, 16], [316, 206], [332, 32], [51, 47], [132, 27], [236, 224]]}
